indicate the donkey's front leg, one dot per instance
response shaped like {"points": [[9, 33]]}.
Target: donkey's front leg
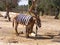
{"points": [[36, 30], [16, 25], [27, 32]]}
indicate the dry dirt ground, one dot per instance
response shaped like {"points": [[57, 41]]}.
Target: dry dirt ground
{"points": [[50, 27]]}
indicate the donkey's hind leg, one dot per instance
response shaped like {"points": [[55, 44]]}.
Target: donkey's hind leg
{"points": [[16, 25]]}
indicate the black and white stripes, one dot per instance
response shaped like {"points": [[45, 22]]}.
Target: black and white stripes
{"points": [[24, 19]]}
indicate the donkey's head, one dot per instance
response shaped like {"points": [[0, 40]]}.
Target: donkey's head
{"points": [[38, 21]]}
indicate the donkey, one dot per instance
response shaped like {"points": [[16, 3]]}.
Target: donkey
{"points": [[28, 21]]}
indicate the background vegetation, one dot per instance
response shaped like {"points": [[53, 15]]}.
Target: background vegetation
{"points": [[48, 7]]}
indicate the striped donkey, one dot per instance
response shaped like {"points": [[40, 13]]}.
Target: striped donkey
{"points": [[28, 21]]}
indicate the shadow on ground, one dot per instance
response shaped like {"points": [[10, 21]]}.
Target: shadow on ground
{"points": [[38, 37], [0, 27], [5, 21], [56, 39]]}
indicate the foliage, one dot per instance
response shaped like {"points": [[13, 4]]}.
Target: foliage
{"points": [[20, 8], [10, 3], [47, 5], [2, 6]]}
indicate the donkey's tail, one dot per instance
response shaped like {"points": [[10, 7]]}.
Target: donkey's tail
{"points": [[13, 23]]}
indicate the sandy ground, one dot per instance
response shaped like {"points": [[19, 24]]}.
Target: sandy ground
{"points": [[50, 27]]}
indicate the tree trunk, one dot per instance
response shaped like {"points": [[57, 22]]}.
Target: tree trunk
{"points": [[7, 13], [32, 7], [42, 12], [57, 13]]}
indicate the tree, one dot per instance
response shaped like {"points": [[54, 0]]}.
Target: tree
{"points": [[50, 7], [33, 7], [57, 5], [9, 4]]}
